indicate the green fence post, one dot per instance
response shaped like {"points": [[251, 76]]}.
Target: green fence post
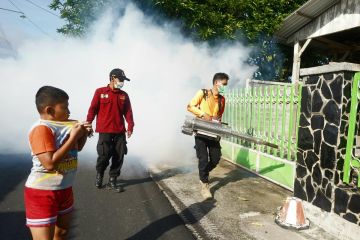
{"points": [[230, 113], [283, 122], [258, 116], [250, 107], [234, 120], [266, 112], [299, 87], [264, 115], [240, 113], [351, 129], [237, 105], [277, 118], [253, 126], [290, 122], [269, 104]]}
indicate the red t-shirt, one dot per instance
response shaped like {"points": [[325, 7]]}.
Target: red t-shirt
{"points": [[111, 107]]}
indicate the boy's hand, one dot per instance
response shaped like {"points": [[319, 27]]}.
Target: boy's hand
{"points": [[77, 131], [89, 129]]}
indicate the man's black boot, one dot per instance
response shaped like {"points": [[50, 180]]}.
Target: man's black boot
{"points": [[112, 182], [99, 180]]}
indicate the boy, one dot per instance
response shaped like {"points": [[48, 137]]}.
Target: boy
{"points": [[54, 141], [209, 105]]}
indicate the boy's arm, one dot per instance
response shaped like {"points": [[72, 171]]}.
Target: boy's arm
{"points": [[49, 156], [49, 160], [81, 142]]}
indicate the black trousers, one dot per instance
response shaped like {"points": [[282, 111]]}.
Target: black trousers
{"points": [[209, 153], [111, 145]]}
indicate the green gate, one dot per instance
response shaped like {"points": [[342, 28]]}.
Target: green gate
{"points": [[271, 112]]}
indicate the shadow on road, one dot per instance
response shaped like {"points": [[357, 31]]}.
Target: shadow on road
{"points": [[192, 215], [233, 176], [14, 170], [12, 226], [171, 172], [129, 182]]}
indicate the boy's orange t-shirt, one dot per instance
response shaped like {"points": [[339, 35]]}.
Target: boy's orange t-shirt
{"points": [[41, 140]]}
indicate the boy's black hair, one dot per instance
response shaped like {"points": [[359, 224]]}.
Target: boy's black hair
{"points": [[220, 76], [49, 96]]}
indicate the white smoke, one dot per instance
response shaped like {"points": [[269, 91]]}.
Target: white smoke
{"points": [[165, 71]]}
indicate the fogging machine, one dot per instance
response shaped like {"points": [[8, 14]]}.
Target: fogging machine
{"points": [[215, 130]]}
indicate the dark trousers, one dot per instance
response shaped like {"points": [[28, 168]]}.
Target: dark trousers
{"points": [[111, 145], [208, 152]]}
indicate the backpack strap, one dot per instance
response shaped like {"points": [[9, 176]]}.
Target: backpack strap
{"points": [[205, 92], [219, 102]]}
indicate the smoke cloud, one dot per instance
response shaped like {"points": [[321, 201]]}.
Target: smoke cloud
{"points": [[165, 69]]}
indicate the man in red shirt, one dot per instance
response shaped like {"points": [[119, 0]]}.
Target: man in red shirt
{"points": [[111, 105]]}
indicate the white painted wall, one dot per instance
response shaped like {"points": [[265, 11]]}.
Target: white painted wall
{"points": [[342, 16]]}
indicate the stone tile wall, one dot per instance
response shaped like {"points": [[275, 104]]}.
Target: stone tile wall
{"points": [[325, 108]]}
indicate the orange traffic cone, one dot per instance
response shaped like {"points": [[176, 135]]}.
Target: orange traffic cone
{"points": [[292, 215]]}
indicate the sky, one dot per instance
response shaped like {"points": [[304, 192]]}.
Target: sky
{"points": [[166, 70], [17, 29]]}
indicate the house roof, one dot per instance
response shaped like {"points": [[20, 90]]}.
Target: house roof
{"points": [[302, 16]]}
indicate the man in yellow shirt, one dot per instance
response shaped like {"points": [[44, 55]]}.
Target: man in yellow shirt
{"points": [[209, 105]]}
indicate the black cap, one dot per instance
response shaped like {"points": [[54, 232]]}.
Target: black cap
{"points": [[118, 73]]}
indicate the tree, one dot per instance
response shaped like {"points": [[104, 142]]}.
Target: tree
{"points": [[250, 21], [78, 13], [204, 20]]}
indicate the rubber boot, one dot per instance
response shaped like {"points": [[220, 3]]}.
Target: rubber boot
{"points": [[99, 180], [112, 183]]}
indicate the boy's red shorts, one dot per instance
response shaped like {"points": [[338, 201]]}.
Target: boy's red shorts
{"points": [[43, 206]]}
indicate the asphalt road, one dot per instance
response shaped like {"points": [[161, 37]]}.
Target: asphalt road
{"points": [[141, 211]]}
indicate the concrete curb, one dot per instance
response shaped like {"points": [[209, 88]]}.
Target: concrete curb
{"points": [[332, 223], [243, 208], [202, 228]]}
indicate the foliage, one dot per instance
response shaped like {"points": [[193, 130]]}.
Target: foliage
{"points": [[224, 19], [252, 22], [78, 13], [205, 20]]}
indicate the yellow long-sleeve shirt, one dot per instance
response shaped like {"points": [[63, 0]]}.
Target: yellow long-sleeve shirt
{"points": [[199, 104]]}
